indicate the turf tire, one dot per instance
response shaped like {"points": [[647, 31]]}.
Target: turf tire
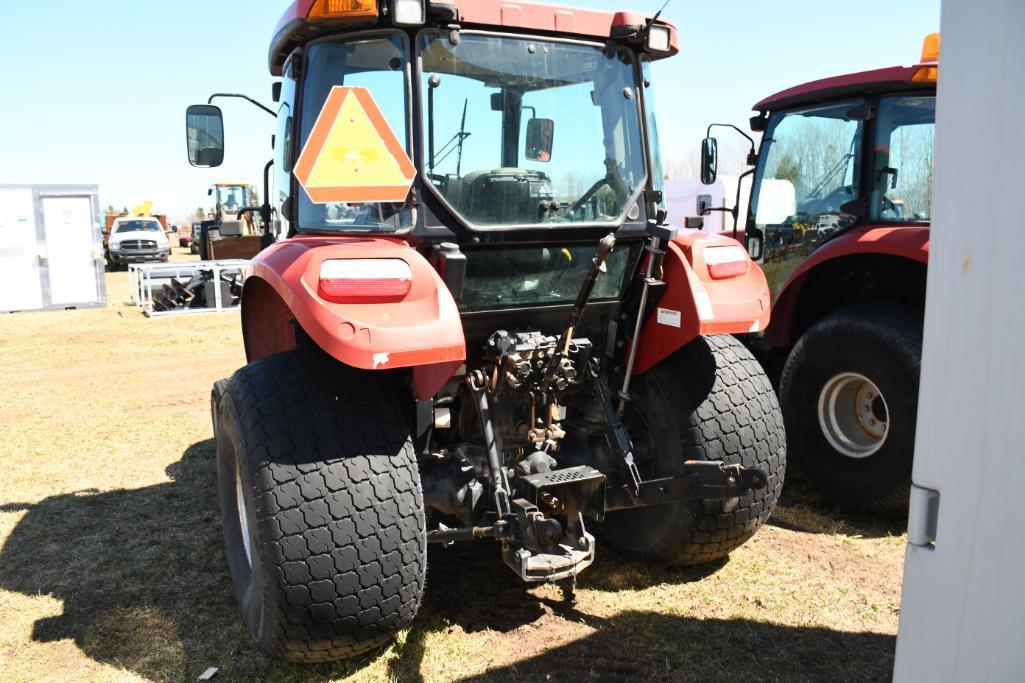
{"points": [[710, 400], [883, 343], [332, 502]]}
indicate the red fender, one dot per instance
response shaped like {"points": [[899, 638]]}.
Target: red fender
{"points": [[422, 331], [694, 304], [910, 242]]}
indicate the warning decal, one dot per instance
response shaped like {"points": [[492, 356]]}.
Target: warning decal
{"points": [[352, 154]]}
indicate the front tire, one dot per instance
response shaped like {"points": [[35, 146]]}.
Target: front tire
{"points": [[849, 392], [711, 400], [321, 507]]}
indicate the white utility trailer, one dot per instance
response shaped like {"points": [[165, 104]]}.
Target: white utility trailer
{"points": [[162, 289], [51, 248], [963, 607]]}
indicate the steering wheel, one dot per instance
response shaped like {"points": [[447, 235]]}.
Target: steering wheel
{"points": [[891, 206], [589, 195], [612, 179]]}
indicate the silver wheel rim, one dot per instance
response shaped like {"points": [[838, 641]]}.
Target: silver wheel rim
{"points": [[243, 521], [853, 415]]}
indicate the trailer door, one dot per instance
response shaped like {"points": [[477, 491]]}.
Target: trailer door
{"points": [[71, 253], [962, 614], [20, 278]]}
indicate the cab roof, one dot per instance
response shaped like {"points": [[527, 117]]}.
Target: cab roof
{"points": [[860, 83], [295, 27]]}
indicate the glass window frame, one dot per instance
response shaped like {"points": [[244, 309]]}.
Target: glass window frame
{"points": [[872, 216], [298, 141], [867, 160], [428, 185], [867, 134]]}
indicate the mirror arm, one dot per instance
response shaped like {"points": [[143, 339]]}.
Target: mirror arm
{"points": [[247, 98], [265, 210], [735, 209], [708, 132]]}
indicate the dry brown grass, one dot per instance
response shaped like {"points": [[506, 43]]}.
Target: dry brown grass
{"points": [[111, 565]]}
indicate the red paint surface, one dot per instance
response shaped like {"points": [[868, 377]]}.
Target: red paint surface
{"points": [[423, 328], [910, 242], [521, 15], [733, 306], [864, 80]]}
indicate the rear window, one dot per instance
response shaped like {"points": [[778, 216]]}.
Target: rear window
{"points": [[548, 275]]}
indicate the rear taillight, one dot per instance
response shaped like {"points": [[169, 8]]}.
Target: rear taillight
{"points": [[365, 280], [726, 262]]}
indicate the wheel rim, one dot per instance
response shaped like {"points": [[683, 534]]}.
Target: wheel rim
{"points": [[243, 521], [853, 415]]}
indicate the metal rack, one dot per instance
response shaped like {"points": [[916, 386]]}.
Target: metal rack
{"points": [[146, 279]]}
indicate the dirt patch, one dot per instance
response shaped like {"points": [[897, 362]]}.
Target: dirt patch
{"points": [[111, 565]]}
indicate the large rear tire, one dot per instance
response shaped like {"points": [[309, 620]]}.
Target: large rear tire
{"points": [[711, 400], [321, 507], [849, 392]]}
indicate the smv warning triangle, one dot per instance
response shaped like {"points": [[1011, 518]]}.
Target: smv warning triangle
{"points": [[352, 154]]}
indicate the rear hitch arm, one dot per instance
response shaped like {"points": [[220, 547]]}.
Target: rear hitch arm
{"points": [[700, 480], [605, 248]]}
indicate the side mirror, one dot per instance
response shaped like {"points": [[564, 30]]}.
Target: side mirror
{"points": [[754, 242], [204, 128], [540, 139], [709, 160]]}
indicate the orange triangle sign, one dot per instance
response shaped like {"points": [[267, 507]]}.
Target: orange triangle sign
{"points": [[352, 154]]}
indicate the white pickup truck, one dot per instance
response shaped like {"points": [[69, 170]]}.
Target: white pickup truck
{"points": [[136, 240]]}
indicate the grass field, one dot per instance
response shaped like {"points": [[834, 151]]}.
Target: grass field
{"points": [[111, 566]]}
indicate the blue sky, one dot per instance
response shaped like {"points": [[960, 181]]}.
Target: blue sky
{"points": [[95, 92]]}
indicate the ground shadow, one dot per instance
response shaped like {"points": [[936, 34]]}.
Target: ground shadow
{"points": [[648, 646], [802, 508], [144, 586]]}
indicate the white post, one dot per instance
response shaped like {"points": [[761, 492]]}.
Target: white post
{"points": [[963, 608]]}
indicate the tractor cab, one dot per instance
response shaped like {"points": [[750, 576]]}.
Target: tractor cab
{"points": [[228, 199], [233, 228], [844, 152], [472, 322]]}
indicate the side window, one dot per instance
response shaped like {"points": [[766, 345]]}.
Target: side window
{"points": [[902, 174], [284, 149]]}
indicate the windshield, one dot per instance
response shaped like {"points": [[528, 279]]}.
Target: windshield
{"points": [[525, 132], [905, 131], [231, 198], [137, 226], [378, 64]]}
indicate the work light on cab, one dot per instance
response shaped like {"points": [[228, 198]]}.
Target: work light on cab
{"points": [[408, 12], [659, 38], [365, 280]]}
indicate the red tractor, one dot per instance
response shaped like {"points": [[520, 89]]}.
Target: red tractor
{"points": [[839, 220], [473, 323]]}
